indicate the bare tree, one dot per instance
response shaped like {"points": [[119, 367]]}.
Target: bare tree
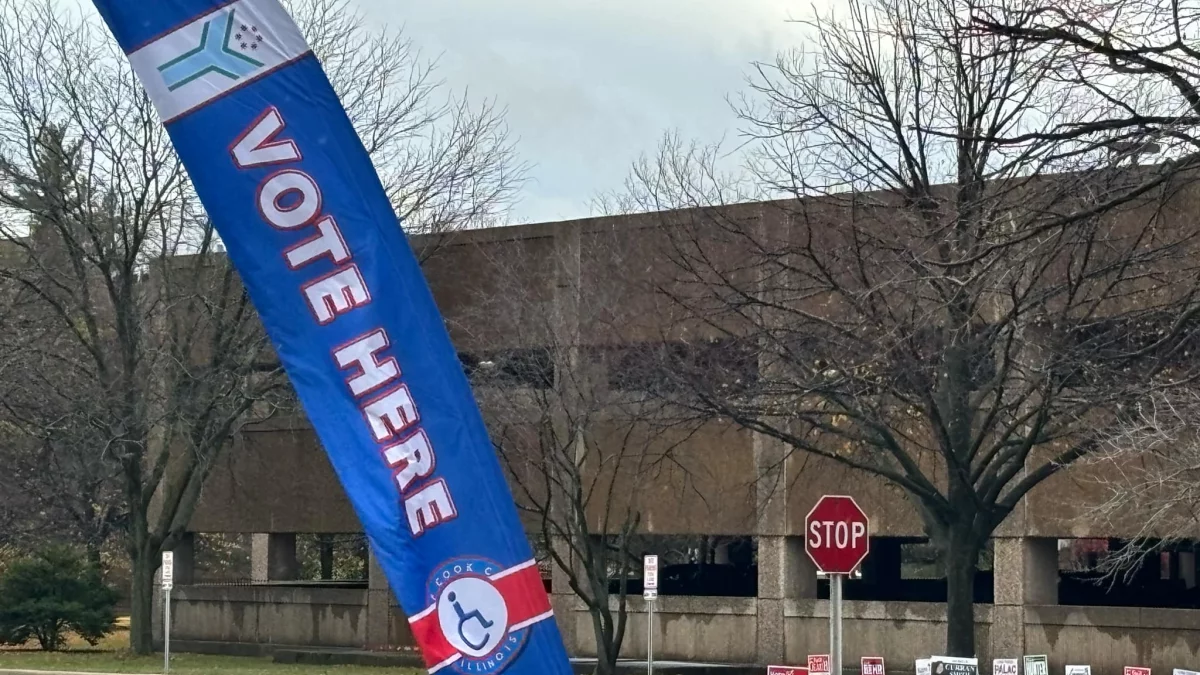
{"points": [[130, 354], [1139, 55], [951, 299], [1144, 477], [579, 455]]}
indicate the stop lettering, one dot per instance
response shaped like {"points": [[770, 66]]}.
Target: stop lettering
{"points": [[837, 534]]}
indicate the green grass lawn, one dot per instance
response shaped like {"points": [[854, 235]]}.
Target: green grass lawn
{"points": [[112, 656]]}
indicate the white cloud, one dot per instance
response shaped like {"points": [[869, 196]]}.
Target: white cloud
{"points": [[591, 83]]}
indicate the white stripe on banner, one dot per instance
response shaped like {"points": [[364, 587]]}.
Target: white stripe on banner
{"points": [[216, 53]]}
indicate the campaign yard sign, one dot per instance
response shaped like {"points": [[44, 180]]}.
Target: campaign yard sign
{"points": [[786, 670], [923, 667], [1004, 667], [818, 664], [951, 665], [1079, 670], [1136, 670], [1037, 665], [872, 665]]}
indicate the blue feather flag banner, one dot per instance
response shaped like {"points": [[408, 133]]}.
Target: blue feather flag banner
{"points": [[290, 189]]}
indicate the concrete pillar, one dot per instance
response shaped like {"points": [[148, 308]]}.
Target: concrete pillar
{"points": [[782, 574], [273, 557], [1187, 568], [785, 571], [379, 605], [1026, 574], [1026, 571], [564, 601]]}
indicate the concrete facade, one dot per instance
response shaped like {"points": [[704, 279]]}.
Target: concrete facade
{"points": [[276, 482]]}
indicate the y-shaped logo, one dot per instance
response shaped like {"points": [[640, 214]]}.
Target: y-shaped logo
{"points": [[215, 55]]}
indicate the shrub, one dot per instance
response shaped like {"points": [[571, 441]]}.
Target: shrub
{"points": [[51, 593]]}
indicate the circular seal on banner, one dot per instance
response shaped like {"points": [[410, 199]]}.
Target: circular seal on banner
{"points": [[474, 616]]}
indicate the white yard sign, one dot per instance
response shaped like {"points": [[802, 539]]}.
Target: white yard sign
{"points": [[1037, 665], [168, 570], [650, 573]]}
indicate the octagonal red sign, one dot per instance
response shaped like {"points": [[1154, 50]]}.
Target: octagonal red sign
{"points": [[837, 534]]}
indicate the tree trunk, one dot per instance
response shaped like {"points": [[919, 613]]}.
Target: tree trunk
{"points": [[962, 557], [93, 557], [606, 651], [606, 663], [141, 603]]}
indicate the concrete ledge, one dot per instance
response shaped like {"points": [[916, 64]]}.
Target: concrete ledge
{"points": [[213, 648], [580, 666], [1121, 618], [273, 594], [325, 657], [872, 610]]}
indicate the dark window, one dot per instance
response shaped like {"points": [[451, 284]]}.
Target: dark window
{"points": [[719, 367], [531, 367]]}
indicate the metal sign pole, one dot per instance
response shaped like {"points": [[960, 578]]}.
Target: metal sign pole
{"points": [[166, 630], [835, 624], [168, 582], [650, 593], [650, 637]]}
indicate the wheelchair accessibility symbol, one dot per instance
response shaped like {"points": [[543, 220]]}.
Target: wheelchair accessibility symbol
{"points": [[473, 615]]}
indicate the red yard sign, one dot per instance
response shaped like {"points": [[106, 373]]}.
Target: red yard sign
{"points": [[786, 670], [872, 665]]}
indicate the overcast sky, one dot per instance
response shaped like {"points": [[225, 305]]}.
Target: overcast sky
{"points": [[590, 84]]}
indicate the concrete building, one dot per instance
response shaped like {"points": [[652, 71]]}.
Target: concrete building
{"points": [[276, 483]]}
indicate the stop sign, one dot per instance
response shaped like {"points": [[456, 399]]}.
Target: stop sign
{"points": [[836, 534]]}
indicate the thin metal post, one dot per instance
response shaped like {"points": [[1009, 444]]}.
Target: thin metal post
{"points": [[650, 637], [166, 630], [835, 624]]}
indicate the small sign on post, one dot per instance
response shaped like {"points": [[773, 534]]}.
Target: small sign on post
{"points": [[1037, 665], [168, 570], [818, 664], [923, 667], [872, 665], [1136, 670], [650, 593], [650, 575], [1084, 670], [1004, 667], [786, 670], [168, 582]]}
